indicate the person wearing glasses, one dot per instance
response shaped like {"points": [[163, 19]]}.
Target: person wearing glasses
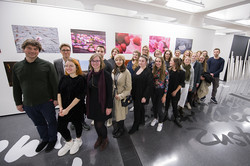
{"points": [[59, 65], [99, 100]]}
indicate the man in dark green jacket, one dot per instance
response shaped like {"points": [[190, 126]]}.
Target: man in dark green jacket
{"points": [[35, 92]]}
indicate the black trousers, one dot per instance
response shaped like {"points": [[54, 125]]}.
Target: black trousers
{"points": [[157, 104], [101, 129], [139, 113], [63, 127], [174, 100]]}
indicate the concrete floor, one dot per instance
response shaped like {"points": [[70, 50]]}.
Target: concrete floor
{"points": [[212, 135]]}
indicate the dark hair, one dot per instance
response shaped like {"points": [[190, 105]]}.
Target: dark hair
{"points": [[177, 62], [112, 57], [162, 69], [101, 46], [32, 42], [171, 55], [122, 68], [64, 45], [217, 49], [78, 67]]}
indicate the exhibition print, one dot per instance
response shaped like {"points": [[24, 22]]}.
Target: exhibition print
{"points": [[8, 69], [86, 41], [158, 42], [183, 44], [48, 37], [127, 43]]}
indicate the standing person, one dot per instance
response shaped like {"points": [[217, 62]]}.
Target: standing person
{"points": [[71, 94], [59, 64], [167, 57], [101, 50], [99, 98], [142, 83], [160, 75], [215, 66], [177, 53], [35, 92], [189, 82], [114, 52], [157, 53], [205, 54], [132, 65], [204, 68], [145, 51], [122, 86], [176, 81], [197, 74]]}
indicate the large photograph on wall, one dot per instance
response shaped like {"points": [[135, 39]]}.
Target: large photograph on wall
{"points": [[8, 69], [86, 41], [183, 44], [127, 43], [158, 42], [48, 37]]}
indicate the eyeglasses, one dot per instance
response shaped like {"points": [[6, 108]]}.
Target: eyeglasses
{"points": [[95, 61], [65, 50]]}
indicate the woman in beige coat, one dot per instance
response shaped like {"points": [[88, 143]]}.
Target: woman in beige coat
{"points": [[121, 89]]}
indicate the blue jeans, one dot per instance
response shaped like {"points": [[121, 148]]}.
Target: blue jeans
{"points": [[44, 118]]}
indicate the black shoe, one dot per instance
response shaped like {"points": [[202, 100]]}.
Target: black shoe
{"points": [[214, 100], [132, 130], [115, 130], [203, 99], [50, 146], [41, 146], [119, 133], [181, 112], [178, 123], [85, 126]]}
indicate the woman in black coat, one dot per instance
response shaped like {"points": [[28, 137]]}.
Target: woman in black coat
{"points": [[142, 84], [99, 98]]}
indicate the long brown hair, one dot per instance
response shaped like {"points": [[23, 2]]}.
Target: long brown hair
{"points": [[135, 65], [122, 68], [78, 67], [204, 64], [177, 62], [162, 69], [170, 55], [102, 64]]}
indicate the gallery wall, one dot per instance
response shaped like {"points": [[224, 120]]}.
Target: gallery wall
{"points": [[64, 20]]}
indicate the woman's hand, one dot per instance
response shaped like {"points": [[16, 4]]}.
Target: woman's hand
{"points": [[173, 93], [117, 97], [63, 112], [108, 111], [163, 99]]}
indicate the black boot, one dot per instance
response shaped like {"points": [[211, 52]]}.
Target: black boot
{"points": [[182, 114], [116, 127], [177, 122], [121, 129]]}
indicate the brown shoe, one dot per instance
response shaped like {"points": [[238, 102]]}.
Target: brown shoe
{"points": [[104, 144], [98, 142]]}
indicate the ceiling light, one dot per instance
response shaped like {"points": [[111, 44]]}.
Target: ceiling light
{"points": [[185, 5], [244, 22]]}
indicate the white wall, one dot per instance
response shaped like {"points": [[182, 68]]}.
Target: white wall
{"points": [[65, 19], [224, 42]]}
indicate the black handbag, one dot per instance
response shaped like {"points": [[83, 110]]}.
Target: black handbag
{"points": [[125, 102]]}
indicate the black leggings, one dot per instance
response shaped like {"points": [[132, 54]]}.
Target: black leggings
{"points": [[63, 128], [157, 104], [174, 100], [101, 129]]}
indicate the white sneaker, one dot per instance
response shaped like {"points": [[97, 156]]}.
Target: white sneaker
{"points": [[188, 106], [131, 109], [65, 148], [109, 122], [92, 123], [154, 122], [159, 127], [76, 146]]}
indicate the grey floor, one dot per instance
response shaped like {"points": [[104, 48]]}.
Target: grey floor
{"points": [[212, 135]]}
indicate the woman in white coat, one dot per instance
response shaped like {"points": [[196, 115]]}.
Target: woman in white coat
{"points": [[122, 86]]}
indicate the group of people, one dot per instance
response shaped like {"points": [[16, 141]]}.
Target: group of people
{"points": [[39, 86]]}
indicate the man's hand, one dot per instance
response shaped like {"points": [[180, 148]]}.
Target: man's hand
{"points": [[20, 108]]}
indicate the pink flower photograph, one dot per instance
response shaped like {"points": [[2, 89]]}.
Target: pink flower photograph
{"points": [[127, 43], [158, 42]]}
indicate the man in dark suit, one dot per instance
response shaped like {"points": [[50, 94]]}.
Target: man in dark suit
{"points": [[59, 64]]}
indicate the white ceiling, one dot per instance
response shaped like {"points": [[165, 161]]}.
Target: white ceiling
{"points": [[224, 16]]}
